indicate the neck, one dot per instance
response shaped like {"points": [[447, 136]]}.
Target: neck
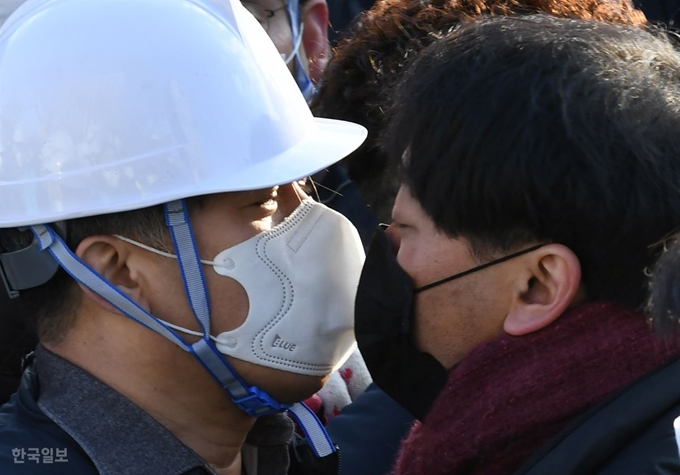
{"points": [[165, 381]]}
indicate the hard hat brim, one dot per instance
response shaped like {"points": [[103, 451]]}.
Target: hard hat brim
{"points": [[327, 142]]}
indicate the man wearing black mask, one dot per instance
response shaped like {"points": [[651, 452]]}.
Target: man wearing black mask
{"points": [[539, 164]]}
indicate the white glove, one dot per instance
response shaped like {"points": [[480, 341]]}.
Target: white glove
{"points": [[344, 385]]}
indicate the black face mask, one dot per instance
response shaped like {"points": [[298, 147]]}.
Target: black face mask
{"points": [[384, 320]]}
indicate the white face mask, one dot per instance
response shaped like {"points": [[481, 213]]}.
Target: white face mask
{"points": [[301, 279]]}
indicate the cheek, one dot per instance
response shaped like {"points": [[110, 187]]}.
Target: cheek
{"points": [[416, 263], [169, 300], [228, 301], [440, 330], [449, 323], [280, 34], [440, 327], [430, 326], [407, 258]]}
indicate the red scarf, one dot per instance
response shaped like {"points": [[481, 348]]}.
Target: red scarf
{"points": [[509, 396]]}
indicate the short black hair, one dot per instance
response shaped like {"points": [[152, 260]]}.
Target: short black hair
{"points": [[664, 295], [517, 130], [368, 62]]}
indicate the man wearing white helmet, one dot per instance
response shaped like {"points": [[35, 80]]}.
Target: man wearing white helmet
{"points": [[185, 292]]}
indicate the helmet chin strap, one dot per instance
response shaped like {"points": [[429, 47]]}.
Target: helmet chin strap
{"points": [[250, 399]]}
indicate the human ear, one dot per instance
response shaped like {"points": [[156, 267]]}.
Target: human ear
{"points": [[109, 257], [547, 285], [315, 36]]}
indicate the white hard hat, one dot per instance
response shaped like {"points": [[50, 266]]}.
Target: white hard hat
{"points": [[110, 105], [7, 7]]}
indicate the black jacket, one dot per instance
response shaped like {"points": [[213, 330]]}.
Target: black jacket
{"points": [[631, 433]]}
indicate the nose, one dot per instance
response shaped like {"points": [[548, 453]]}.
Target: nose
{"points": [[289, 198]]}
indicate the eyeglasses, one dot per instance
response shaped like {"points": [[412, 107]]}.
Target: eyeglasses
{"points": [[261, 13]]}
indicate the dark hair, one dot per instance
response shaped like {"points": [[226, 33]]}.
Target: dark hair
{"points": [[517, 130], [368, 62], [664, 296], [17, 339], [52, 306]]}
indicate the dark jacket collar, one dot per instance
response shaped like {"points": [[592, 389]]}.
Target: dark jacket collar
{"points": [[59, 403], [633, 425], [116, 433]]}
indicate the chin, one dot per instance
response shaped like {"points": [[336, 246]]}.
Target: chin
{"points": [[284, 386], [299, 388], [289, 388]]}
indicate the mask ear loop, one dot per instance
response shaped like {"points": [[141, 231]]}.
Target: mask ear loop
{"points": [[297, 28], [478, 268], [156, 251], [296, 47]]}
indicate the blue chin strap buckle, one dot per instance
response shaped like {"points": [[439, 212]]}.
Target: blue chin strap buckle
{"points": [[259, 403]]}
